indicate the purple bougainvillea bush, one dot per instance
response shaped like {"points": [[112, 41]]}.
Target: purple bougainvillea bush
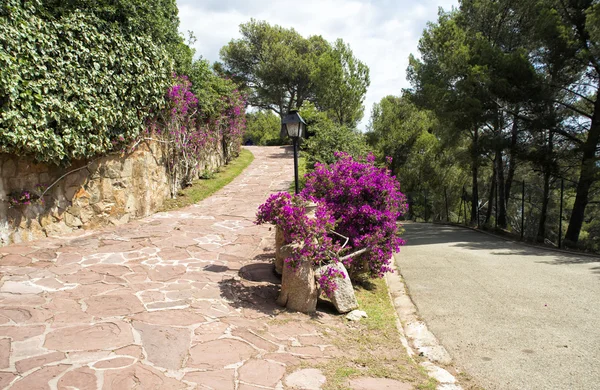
{"points": [[355, 199], [366, 203], [189, 134]]}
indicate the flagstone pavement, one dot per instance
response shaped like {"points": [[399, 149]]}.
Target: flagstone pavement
{"points": [[178, 300]]}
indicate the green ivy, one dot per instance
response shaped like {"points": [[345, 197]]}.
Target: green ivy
{"points": [[72, 87]]}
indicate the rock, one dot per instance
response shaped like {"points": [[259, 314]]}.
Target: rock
{"points": [[9, 169], [343, 297], [166, 346], [285, 251], [140, 376], [80, 378], [356, 315], [25, 365], [311, 208], [58, 228], [279, 242], [261, 372], [72, 221], [4, 353], [299, 289], [103, 335], [218, 379], [39, 379], [438, 373], [218, 354], [306, 379]]}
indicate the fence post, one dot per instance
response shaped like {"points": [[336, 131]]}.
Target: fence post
{"points": [[446, 199], [465, 204], [426, 213], [562, 190], [523, 211], [496, 206]]}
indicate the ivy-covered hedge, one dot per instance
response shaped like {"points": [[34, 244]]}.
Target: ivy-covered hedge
{"points": [[72, 87]]}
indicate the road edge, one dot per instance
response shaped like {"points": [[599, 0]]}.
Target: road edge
{"points": [[415, 335]]}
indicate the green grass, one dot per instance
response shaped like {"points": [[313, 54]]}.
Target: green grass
{"points": [[203, 188], [301, 172], [372, 347]]}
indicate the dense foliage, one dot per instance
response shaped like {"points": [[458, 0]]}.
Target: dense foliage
{"points": [[263, 128], [327, 137], [189, 134], [511, 93], [157, 19], [69, 90]]}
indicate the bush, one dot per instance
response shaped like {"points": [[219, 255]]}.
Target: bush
{"points": [[263, 128], [189, 134], [69, 90], [330, 139], [355, 199], [366, 202]]}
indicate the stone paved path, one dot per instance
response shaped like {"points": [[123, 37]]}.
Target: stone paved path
{"points": [[179, 300]]}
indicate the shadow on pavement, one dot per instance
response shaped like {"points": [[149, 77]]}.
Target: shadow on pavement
{"points": [[250, 295], [430, 234]]}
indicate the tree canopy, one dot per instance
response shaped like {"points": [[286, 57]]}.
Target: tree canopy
{"points": [[511, 89], [282, 69]]}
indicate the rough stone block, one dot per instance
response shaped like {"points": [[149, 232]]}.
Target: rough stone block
{"points": [[299, 289], [343, 297], [72, 221], [9, 169], [279, 242]]}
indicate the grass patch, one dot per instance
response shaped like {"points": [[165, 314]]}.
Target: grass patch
{"points": [[203, 188], [301, 172], [372, 347]]}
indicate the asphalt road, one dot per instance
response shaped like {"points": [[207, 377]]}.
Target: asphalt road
{"points": [[511, 316]]}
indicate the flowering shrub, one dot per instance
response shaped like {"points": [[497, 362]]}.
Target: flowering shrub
{"points": [[357, 200], [366, 202], [289, 213], [233, 123], [188, 134], [327, 280]]}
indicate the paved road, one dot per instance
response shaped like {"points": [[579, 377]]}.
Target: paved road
{"points": [[512, 316]]}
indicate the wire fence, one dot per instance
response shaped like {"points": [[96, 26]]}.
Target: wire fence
{"points": [[525, 218]]}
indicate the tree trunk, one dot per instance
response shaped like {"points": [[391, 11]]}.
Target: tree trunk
{"points": [[548, 170], [586, 178], [501, 198], [488, 213], [512, 160], [475, 172], [541, 235]]}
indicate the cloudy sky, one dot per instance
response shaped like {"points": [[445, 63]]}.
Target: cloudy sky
{"points": [[382, 33]]}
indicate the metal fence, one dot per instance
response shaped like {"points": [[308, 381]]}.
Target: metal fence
{"points": [[523, 209]]}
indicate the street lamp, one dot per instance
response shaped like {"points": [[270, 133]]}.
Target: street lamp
{"points": [[294, 127]]}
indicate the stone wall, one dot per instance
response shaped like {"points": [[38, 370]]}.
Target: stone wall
{"points": [[110, 190]]}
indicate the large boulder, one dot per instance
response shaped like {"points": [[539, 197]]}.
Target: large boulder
{"points": [[343, 297]]}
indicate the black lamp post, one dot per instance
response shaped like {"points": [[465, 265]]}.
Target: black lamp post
{"points": [[294, 127]]}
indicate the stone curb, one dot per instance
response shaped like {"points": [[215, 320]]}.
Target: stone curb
{"points": [[567, 252], [415, 335]]}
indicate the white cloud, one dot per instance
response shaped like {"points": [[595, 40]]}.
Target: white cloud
{"points": [[382, 33]]}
